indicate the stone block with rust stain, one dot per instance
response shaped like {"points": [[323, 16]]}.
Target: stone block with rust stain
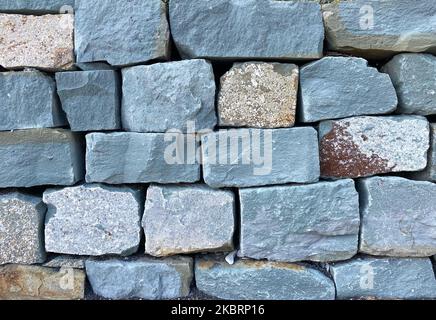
{"points": [[18, 282], [259, 95], [366, 146], [43, 42]]}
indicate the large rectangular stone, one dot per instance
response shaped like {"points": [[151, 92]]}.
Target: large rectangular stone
{"points": [[127, 157], [29, 101], [44, 42], [318, 222], [40, 157], [234, 29], [256, 157], [36, 6], [398, 217]]}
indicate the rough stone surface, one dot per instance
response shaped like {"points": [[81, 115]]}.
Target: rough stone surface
{"points": [[259, 95], [414, 80], [276, 156], [29, 101], [144, 278], [138, 28], [318, 222], [93, 220], [188, 219], [38, 7], [18, 282], [164, 96], [271, 29], [127, 157], [44, 42], [379, 28], [40, 157], [398, 217], [365, 146], [429, 173], [21, 228], [384, 278], [90, 99], [339, 87], [66, 261], [260, 280]]}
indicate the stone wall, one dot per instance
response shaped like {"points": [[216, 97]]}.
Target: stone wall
{"points": [[234, 149]]}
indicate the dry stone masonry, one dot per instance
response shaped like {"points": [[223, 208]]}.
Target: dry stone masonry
{"points": [[229, 149]]}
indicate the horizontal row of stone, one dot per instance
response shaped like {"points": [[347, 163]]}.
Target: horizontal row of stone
{"points": [[142, 32], [180, 96], [171, 278], [318, 222]]}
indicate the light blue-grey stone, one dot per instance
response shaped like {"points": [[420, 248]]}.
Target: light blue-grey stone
{"points": [[261, 280], [165, 96], [141, 277], [235, 29], [378, 29], [384, 278], [429, 173], [398, 217], [317, 222], [29, 101], [36, 6], [40, 157], [91, 66], [256, 157], [414, 79], [121, 32], [90, 99], [127, 157], [339, 87]]}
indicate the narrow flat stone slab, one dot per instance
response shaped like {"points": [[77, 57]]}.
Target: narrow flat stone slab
{"points": [[339, 87], [21, 228], [384, 278], [378, 29], [18, 282], [413, 78], [66, 261], [29, 101], [259, 95], [36, 7], [167, 96], [44, 42], [318, 222], [255, 157], [139, 28], [110, 225], [40, 157], [398, 217], [90, 99], [127, 157], [144, 278], [279, 30], [188, 219], [366, 146], [261, 280]]}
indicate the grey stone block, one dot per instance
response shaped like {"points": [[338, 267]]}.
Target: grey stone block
{"points": [[255, 157], [29, 101], [40, 157], [318, 222], [234, 29], [21, 228], [164, 96], [188, 219], [339, 87], [36, 7], [384, 278], [414, 80], [261, 280], [90, 99], [93, 220], [429, 173], [397, 217], [138, 28], [127, 157], [144, 278], [66, 262]]}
